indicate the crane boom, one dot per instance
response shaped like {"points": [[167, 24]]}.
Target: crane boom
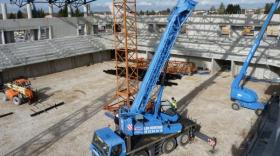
{"points": [[136, 120], [245, 96], [179, 15]]}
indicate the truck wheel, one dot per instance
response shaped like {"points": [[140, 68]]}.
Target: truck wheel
{"points": [[235, 106], [183, 139], [141, 153], [5, 98], [258, 112], [16, 100], [168, 146]]}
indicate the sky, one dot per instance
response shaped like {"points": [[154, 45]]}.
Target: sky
{"points": [[103, 5], [202, 4]]}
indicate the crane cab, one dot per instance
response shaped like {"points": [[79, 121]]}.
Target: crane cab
{"points": [[106, 142]]}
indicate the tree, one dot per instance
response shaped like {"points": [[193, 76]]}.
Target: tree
{"points": [[233, 9], [12, 16], [229, 9], [41, 13], [78, 13], [153, 12], [212, 9], [267, 8], [277, 11], [147, 12], [258, 11], [168, 11], [165, 12], [141, 12], [34, 13], [63, 12], [221, 9], [72, 12], [237, 9], [19, 14]]}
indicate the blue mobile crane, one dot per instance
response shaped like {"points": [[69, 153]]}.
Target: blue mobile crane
{"points": [[160, 130], [242, 96]]}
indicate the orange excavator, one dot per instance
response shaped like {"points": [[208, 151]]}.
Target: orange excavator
{"points": [[19, 91]]}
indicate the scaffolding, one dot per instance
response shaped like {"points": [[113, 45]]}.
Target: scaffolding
{"points": [[125, 42]]}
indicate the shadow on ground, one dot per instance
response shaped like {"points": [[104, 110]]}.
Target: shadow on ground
{"points": [[42, 94], [186, 100], [257, 138], [38, 144], [141, 73], [47, 138]]}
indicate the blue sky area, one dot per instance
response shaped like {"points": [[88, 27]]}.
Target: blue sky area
{"points": [[103, 5]]}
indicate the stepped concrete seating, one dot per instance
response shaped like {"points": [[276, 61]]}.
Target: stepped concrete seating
{"points": [[24, 53]]}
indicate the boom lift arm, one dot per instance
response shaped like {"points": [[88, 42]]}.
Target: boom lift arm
{"points": [[246, 97]]}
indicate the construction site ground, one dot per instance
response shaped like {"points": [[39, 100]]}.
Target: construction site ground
{"points": [[67, 130]]}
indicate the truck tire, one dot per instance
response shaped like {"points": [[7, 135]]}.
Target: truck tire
{"points": [[168, 146], [141, 153], [258, 112], [235, 106], [16, 100], [183, 139], [5, 98]]}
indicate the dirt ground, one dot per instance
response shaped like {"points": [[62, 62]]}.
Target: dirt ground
{"points": [[68, 129]]}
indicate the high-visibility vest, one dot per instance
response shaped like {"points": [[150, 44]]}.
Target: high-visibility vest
{"points": [[174, 103]]}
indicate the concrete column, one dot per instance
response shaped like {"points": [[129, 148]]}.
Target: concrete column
{"points": [[51, 10], [78, 30], [86, 30], [32, 37], [1, 80], [149, 55], [4, 11], [233, 68], [155, 28], [69, 10], [86, 8], [3, 37], [39, 33], [50, 32], [215, 66], [29, 11]]}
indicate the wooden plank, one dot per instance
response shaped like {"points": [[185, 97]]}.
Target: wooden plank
{"points": [[7, 114], [47, 109]]}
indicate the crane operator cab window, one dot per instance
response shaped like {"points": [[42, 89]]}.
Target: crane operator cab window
{"points": [[116, 150], [100, 145]]}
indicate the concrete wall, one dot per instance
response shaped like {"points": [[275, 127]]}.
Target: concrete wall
{"points": [[55, 66], [200, 62], [257, 71], [60, 27], [1, 80], [215, 65], [199, 43], [204, 63]]}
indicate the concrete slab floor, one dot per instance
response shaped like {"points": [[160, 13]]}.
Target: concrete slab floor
{"points": [[68, 129]]}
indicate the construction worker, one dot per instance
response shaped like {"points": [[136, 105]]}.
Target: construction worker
{"points": [[173, 103], [116, 120]]}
